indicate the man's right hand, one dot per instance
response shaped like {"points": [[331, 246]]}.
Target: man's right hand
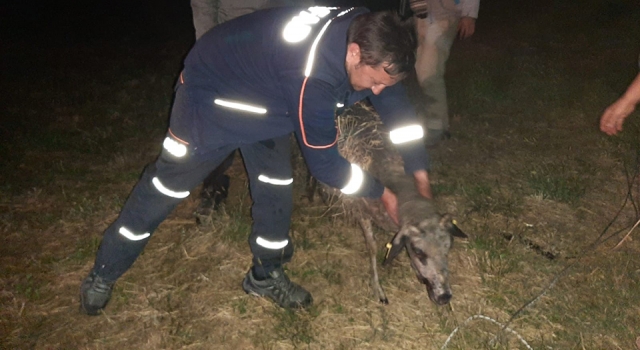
{"points": [[466, 27], [614, 116]]}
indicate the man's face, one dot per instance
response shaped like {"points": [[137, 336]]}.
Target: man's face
{"points": [[362, 76]]}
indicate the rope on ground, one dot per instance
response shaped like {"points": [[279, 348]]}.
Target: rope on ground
{"points": [[625, 236], [592, 247], [486, 318], [631, 179]]}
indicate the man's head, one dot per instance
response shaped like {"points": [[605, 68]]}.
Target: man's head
{"points": [[380, 51]]}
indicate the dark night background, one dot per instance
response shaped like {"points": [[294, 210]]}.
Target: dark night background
{"points": [[39, 38], [77, 22]]}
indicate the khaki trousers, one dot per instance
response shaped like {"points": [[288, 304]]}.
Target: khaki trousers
{"points": [[435, 37]]}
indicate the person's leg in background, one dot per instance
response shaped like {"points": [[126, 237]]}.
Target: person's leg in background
{"points": [[215, 189], [206, 15], [435, 38]]}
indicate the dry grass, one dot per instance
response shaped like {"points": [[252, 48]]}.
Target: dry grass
{"points": [[527, 176], [360, 134]]}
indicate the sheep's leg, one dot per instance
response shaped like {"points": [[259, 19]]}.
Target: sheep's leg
{"points": [[367, 231]]}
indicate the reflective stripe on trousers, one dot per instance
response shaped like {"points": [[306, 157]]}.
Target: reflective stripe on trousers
{"points": [[270, 178]]}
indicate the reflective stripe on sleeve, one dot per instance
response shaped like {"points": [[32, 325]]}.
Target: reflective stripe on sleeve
{"points": [[271, 245], [406, 134], [355, 182], [167, 192]]}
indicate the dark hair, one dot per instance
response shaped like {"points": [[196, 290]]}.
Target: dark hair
{"points": [[384, 38]]}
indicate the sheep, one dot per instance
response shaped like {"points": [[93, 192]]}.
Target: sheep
{"points": [[426, 235]]}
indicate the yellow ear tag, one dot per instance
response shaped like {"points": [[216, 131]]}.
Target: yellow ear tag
{"points": [[388, 246], [454, 222]]}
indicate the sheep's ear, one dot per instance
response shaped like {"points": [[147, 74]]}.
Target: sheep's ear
{"points": [[395, 246], [450, 225]]}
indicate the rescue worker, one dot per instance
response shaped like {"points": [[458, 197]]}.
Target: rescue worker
{"points": [[248, 84]]}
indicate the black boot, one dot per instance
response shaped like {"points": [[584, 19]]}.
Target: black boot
{"points": [[215, 189], [211, 199], [278, 288], [94, 294]]}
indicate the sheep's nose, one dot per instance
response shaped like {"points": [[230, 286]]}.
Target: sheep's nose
{"points": [[444, 299]]}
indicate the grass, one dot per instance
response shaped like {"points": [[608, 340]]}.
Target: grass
{"points": [[553, 182], [526, 173], [28, 288], [292, 326], [85, 249]]}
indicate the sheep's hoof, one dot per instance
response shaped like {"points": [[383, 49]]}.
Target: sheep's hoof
{"points": [[384, 301]]}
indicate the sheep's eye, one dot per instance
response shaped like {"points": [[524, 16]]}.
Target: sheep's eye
{"points": [[419, 252]]}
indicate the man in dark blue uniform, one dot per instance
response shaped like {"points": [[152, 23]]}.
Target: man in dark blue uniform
{"points": [[248, 84]]}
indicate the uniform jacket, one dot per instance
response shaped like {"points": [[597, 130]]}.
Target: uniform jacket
{"points": [[259, 60]]}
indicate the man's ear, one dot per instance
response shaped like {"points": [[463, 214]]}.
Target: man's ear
{"points": [[353, 53]]}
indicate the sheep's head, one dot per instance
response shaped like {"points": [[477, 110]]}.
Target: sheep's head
{"points": [[428, 243]]}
